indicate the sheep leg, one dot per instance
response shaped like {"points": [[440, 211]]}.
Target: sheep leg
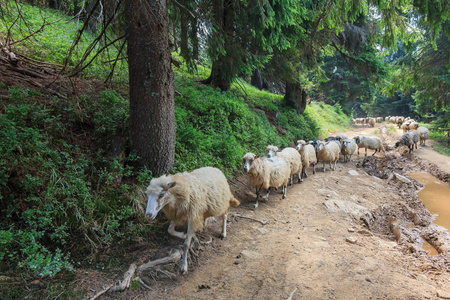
{"points": [[366, 152], [358, 150], [300, 176], [314, 169], [323, 165], [376, 150], [187, 244], [224, 227], [284, 191], [291, 179], [258, 191], [330, 165], [334, 168], [171, 230]]}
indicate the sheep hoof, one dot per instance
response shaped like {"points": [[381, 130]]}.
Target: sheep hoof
{"points": [[283, 197], [223, 236], [183, 269], [300, 180], [256, 205]]}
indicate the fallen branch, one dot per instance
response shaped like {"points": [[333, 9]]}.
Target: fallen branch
{"points": [[125, 283], [250, 218]]}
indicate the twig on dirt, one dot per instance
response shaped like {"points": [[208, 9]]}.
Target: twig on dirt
{"points": [[250, 218], [292, 294]]}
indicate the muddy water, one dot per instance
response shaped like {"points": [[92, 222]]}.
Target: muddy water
{"points": [[436, 197]]}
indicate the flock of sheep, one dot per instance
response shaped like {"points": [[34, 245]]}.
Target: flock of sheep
{"points": [[189, 198]]}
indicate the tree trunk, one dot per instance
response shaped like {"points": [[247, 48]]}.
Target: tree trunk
{"points": [[295, 97], [152, 85], [76, 7], [257, 80], [194, 38], [184, 45], [222, 68]]}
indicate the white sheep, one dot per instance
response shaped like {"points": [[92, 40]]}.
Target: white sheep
{"points": [[371, 142], [308, 155], [291, 156], [187, 199], [424, 134], [264, 172], [329, 152], [341, 136], [348, 148], [372, 122]]}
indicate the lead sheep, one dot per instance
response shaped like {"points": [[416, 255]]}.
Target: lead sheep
{"points": [[329, 152], [372, 122], [187, 199], [291, 156], [308, 154], [424, 134], [264, 172], [371, 142], [348, 148]]}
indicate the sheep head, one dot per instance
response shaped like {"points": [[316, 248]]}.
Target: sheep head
{"points": [[271, 150], [357, 139], [158, 195], [249, 159]]}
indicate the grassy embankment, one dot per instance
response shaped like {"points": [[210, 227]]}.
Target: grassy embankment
{"points": [[64, 197]]}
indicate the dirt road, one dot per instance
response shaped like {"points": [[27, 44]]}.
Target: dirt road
{"points": [[329, 239]]}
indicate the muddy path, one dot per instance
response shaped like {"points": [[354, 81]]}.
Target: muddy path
{"points": [[329, 239]]}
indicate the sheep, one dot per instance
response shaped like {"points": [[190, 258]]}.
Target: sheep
{"points": [[291, 156], [405, 126], [407, 139], [415, 136], [387, 118], [330, 138], [413, 125], [424, 134], [399, 121], [308, 155], [187, 199], [372, 122], [348, 148], [371, 142], [315, 144], [341, 136], [329, 152], [264, 172]]}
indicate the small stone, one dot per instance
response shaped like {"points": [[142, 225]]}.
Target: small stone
{"points": [[368, 279], [351, 229], [263, 230], [351, 240], [442, 294], [236, 262], [353, 172], [401, 178]]}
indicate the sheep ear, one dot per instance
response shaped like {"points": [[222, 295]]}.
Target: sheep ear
{"points": [[257, 156], [171, 185]]}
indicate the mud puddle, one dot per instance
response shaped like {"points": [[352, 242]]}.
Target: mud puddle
{"points": [[436, 197]]}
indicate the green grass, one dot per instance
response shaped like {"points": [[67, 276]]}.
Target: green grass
{"points": [[392, 129], [442, 144]]}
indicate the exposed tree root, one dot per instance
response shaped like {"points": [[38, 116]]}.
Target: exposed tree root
{"points": [[133, 269]]}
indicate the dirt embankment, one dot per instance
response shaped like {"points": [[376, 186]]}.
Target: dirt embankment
{"points": [[330, 238]]}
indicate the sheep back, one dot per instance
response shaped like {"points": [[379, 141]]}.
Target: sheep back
{"points": [[293, 158], [348, 147]]}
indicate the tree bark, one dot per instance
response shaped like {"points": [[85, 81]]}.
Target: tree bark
{"points": [[222, 68], [152, 85], [184, 45], [257, 80], [295, 96]]}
